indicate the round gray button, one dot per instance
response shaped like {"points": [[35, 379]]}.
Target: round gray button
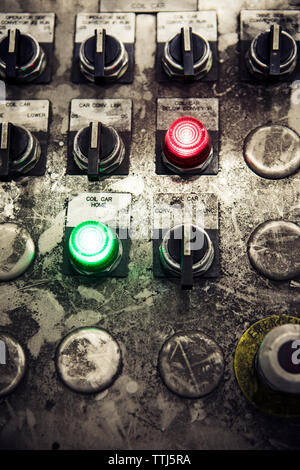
{"points": [[88, 360], [191, 365], [16, 251], [274, 250], [278, 360], [12, 364], [273, 151]]}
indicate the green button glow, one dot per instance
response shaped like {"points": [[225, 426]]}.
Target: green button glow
{"points": [[93, 247]]}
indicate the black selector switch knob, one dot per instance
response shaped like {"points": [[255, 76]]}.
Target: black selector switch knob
{"points": [[187, 56], [21, 57], [187, 252], [98, 149], [19, 149], [272, 54], [103, 58]]}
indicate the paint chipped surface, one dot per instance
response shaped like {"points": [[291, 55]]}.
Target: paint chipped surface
{"points": [[43, 307]]}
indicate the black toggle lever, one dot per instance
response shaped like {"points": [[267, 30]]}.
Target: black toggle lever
{"points": [[275, 49], [100, 40], [12, 53], [95, 150], [5, 134], [187, 48], [187, 259]]}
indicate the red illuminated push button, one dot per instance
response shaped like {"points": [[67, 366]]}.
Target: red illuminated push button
{"points": [[187, 145]]}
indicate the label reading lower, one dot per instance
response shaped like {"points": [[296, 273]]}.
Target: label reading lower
{"points": [[148, 6], [204, 109], [32, 114], [201, 22], [176, 209], [120, 25], [113, 209], [38, 25], [111, 112], [254, 22]]}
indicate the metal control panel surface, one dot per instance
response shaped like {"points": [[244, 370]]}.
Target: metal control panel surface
{"points": [[43, 306]]}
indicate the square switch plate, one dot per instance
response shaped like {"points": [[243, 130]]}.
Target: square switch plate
{"points": [[175, 209], [204, 109], [112, 209], [202, 22], [110, 112], [41, 27], [254, 22], [122, 26], [34, 116]]}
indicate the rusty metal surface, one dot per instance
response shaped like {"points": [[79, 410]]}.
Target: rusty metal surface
{"points": [[41, 307]]}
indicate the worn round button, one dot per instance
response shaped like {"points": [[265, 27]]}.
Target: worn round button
{"points": [[273, 151], [88, 360], [16, 251], [191, 364], [12, 364], [274, 250]]}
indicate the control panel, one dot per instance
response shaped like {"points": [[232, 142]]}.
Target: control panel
{"points": [[150, 225]]}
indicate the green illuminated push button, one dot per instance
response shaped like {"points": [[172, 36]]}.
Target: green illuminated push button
{"points": [[94, 248]]}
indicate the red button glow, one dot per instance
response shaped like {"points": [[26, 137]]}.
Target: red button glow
{"points": [[187, 143]]}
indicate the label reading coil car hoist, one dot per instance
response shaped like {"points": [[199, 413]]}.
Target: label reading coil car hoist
{"points": [[109, 208]]}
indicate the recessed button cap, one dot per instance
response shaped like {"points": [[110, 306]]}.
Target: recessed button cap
{"points": [[191, 364], [88, 360], [273, 151], [274, 250], [12, 364], [17, 251]]}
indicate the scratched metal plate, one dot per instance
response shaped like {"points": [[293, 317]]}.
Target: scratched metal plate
{"points": [[141, 312]]}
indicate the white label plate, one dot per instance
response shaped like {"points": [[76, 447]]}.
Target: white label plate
{"points": [[113, 209], [111, 112], [254, 22], [204, 109], [32, 114], [202, 22], [148, 6], [39, 25], [175, 209], [121, 25]]}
